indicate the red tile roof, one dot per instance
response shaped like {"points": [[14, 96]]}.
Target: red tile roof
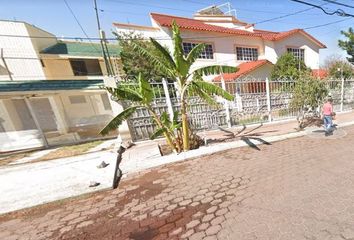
{"points": [[320, 73], [198, 25], [243, 69]]}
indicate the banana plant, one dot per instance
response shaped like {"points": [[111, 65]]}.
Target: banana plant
{"points": [[143, 96], [178, 67]]}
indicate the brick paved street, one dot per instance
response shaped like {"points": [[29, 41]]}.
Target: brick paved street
{"points": [[296, 189]]}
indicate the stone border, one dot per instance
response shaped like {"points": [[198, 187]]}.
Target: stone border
{"points": [[207, 150]]}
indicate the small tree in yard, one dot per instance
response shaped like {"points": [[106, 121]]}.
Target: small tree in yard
{"points": [[288, 67], [338, 67], [348, 44], [133, 62], [309, 92], [176, 67]]}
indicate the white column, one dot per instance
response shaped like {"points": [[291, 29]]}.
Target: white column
{"points": [[36, 122], [269, 108], [60, 119], [226, 103], [168, 99], [342, 96]]}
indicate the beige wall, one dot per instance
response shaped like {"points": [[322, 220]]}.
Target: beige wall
{"points": [[40, 43], [21, 57], [58, 67]]}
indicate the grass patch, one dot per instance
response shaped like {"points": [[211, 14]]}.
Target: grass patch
{"points": [[12, 158], [249, 120], [69, 151]]}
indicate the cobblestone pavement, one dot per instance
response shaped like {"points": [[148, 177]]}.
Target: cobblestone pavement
{"points": [[296, 189]]}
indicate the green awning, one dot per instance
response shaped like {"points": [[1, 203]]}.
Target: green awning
{"points": [[50, 85], [82, 49]]}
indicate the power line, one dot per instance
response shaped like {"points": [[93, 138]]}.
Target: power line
{"points": [[287, 15], [338, 12], [150, 5], [338, 3], [326, 24], [283, 16], [78, 23], [183, 10]]}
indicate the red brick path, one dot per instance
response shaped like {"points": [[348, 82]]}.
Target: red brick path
{"points": [[296, 189]]}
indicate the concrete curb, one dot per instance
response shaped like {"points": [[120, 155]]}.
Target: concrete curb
{"points": [[207, 150]]}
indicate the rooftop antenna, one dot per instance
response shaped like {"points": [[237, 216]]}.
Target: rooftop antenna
{"points": [[225, 8]]}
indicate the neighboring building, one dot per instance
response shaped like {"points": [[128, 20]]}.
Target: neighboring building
{"points": [[50, 90], [77, 60], [230, 41]]}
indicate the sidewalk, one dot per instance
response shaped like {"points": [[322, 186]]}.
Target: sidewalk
{"points": [[32, 184], [294, 189]]}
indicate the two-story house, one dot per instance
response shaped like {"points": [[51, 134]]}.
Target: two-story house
{"points": [[50, 90], [230, 41]]}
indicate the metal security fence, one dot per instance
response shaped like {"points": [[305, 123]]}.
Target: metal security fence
{"points": [[256, 101]]}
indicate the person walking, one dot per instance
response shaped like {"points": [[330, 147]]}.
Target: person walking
{"points": [[327, 111]]}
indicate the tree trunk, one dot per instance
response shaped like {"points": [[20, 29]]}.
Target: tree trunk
{"points": [[185, 126], [166, 134]]}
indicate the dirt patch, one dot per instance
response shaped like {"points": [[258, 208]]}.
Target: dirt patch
{"points": [[12, 158], [69, 151]]}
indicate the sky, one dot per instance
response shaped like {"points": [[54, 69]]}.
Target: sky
{"points": [[55, 17]]}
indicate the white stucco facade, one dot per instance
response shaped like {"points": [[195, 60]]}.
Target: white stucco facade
{"points": [[21, 52], [224, 44]]}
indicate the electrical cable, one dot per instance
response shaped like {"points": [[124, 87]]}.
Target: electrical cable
{"points": [[78, 23]]}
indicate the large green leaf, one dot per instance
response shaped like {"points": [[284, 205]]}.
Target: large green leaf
{"points": [[196, 90], [145, 90], [165, 119], [212, 89], [125, 93], [216, 69], [158, 133], [158, 63], [117, 120], [195, 53], [182, 66], [164, 53]]}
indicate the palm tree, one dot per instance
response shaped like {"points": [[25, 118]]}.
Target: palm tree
{"points": [[143, 96], [177, 67]]}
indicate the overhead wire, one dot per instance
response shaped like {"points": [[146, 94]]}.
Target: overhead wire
{"points": [[338, 3], [338, 12], [78, 23], [160, 38]]}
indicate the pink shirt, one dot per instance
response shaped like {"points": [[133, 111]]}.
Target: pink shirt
{"points": [[327, 109]]}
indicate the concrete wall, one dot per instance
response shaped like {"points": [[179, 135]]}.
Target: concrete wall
{"points": [[21, 57], [40, 43], [57, 67], [74, 122], [300, 41]]}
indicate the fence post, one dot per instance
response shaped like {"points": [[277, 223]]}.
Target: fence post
{"points": [[269, 108], [342, 96], [168, 99], [226, 103]]}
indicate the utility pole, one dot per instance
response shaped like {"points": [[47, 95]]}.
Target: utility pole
{"points": [[106, 61]]}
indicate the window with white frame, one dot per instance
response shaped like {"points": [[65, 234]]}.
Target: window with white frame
{"points": [[207, 53], [246, 53], [299, 53]]}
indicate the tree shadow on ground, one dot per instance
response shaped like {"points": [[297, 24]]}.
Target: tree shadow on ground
{"points": [[245, 135]]}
